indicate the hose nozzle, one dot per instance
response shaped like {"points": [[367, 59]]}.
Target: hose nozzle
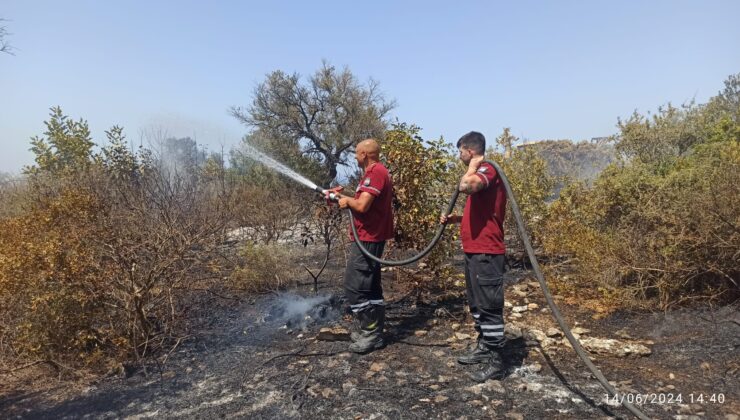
{"points": [[331, 194]]}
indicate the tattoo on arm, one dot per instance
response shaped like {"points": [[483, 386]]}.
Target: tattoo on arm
{"points": [[471, 185], [465, 187]]}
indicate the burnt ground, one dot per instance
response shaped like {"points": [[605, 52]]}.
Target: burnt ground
{"points": [[265, 358]]}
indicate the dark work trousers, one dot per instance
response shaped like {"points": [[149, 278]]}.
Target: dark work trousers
{"points": [[362, 284], [484, 281]]}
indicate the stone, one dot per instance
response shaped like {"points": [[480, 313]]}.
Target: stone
{"points": [[347, 386], [314, 390], [520, 286], [518, 309], [462, 336], [548, 342], [514, 416], [532, 306], [440, 398], [495, 386], [535, 367], [475, 389], [333, 334], [553, 332], [536, 334], [421, 333], [614, 347], [490, 385], [580, 331], [512, 332], [378, 366], [455, 326]]}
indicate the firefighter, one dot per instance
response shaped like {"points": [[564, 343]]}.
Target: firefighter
{"points": [[482, 237], [373, 215]]}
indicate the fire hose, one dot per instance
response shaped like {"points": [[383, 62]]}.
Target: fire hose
{"points": [[535, 266]]}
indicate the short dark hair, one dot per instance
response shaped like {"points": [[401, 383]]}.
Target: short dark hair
{"points": [[474, 141]]}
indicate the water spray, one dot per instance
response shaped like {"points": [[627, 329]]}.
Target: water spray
{"points": [[256, 155]]}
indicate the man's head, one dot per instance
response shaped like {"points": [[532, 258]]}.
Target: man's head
{"points": [[471, 145], [367, 152]]}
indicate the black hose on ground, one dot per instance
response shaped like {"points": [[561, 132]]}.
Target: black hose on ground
{"points": [[612, 392]]}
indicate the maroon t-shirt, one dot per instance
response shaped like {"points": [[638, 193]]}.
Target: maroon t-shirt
{"points": [[482, 227], [375, 225]]}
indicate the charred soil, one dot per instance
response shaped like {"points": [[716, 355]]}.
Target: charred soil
{"points": [[285, 356]]}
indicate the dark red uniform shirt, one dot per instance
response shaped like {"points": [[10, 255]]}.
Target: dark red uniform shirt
{"points": [[375, 225], [482, 226]]}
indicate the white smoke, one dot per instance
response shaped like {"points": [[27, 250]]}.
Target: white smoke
{"points": [[297, 312]]}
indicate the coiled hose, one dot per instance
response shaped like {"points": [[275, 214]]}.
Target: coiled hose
{"points": [[535, 265]]}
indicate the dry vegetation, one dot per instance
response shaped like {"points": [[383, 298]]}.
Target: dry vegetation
{"points": [[661, 225], [103, 254]]}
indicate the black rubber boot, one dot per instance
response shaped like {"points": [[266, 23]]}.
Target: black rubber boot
{"points": [[494, 369], [367, 342], [479, 354], [370, 335]]}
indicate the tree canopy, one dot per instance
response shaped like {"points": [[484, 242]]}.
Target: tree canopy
{"points": [[322, 118]]}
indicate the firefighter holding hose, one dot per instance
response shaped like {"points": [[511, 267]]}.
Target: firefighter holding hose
{"points": [[373, 219], [482, 237]]}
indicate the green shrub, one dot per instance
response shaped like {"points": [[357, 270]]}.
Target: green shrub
{"points": [[662, 224]]}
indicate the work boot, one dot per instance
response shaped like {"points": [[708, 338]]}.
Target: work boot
{"points": [[367, 342], [494, 369], [480, 354], [369, 336]]}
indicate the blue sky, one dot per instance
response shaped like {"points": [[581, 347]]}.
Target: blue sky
{"points": [[545, 69]]}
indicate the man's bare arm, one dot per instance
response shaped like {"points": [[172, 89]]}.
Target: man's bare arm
{"points": [[360, 204]]}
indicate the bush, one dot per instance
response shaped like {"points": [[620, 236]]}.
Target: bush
{"points": [[424, 177], [101, 267], [662, 224]]}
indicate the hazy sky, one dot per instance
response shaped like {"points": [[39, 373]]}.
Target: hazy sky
{"points": [[551, 69]]}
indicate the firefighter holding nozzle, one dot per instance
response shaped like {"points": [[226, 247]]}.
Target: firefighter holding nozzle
{"points": [[373, 218]]}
